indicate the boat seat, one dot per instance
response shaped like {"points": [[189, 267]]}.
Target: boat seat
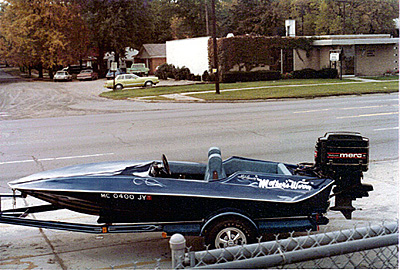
{"points": [[214, 168], [235, 164]]}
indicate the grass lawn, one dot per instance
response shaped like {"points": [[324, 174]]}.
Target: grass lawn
{"points": [[305, 91], [263, 90]]}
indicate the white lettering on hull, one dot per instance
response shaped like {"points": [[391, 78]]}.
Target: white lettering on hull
{"points": [[277, 184]]}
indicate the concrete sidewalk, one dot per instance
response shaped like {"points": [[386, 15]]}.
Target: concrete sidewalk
{"points": [[360, 79]]}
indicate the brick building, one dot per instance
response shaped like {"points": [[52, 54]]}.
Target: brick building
{"points": [[362, 55]]}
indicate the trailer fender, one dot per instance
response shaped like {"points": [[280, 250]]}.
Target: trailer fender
{"points": [[226, 215], [229, 229]]}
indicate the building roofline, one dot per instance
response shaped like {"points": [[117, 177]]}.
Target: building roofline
{"points": [[356, 41], [355, 36], [360, 39]]}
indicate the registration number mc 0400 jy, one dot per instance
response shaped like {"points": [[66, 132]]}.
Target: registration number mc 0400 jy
{"points": [[125, 196]]}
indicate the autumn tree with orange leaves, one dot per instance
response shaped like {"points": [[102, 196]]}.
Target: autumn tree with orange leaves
{"points": [[42, 34]]}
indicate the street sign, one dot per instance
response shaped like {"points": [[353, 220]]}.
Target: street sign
{"points": [[114, 66], [334, 56]]}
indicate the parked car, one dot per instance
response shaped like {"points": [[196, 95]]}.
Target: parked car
{"points": [[75, 69], [87, 74], [62, 75], [131, 80], [138, 68], [110, 74]]}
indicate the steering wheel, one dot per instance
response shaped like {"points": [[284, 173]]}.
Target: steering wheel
{"points": [[166, 165]]}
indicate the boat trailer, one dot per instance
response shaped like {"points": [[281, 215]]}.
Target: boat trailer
{"points": [[17, 216]]}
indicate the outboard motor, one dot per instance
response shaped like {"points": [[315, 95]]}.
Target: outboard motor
{"points": [[343, 157]]}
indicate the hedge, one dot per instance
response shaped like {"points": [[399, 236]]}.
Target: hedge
{"points": [[328, 73], [309, 73], [248, 76]]}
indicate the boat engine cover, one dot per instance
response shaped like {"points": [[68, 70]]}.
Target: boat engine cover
{"points": [[343, 157], [342, 151]]}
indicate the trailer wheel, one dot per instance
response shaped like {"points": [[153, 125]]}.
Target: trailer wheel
{"points": [[230, 232]]}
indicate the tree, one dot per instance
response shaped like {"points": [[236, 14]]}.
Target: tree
{"points": [[246, 17], [117, 24], [162, 15], [328, 21], [190, 18], [371, 16], [313, 17], [42, 34], [258, 17]]}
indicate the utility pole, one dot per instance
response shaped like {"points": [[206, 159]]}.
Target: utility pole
{"points": [[207, 23], [343, 15], [215, 48]]}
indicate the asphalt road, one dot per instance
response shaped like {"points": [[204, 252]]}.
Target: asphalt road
{"points": [[78, 127], [280, 130]]}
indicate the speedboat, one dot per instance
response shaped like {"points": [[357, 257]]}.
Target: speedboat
{"points": [[258, 193], [156, 191]]}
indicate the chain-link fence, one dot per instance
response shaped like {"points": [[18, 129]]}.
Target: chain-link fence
{"points": [[367, 247]]}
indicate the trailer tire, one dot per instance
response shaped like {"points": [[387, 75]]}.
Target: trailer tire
{"points": [[230, 232]]}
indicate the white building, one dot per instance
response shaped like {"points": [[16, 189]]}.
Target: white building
{"points": [[191, 53]]}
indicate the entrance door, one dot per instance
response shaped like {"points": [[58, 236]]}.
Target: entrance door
{"points": [[348, 60]]}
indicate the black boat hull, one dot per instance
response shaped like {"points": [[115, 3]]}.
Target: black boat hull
{"points": [[133, 195], [147, 208]]}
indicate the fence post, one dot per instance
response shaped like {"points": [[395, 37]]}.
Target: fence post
{"points": [[177, 244]]}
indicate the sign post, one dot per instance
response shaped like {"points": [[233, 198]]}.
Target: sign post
{"points": [[114, 66], [215, 48], [336, 57]]}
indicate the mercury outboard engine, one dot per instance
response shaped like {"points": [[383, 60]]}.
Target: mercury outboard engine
{"points": [[343, 157]]}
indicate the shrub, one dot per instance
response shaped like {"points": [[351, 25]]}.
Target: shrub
{"points": [[328, 73], [197, 78], [206, 77], [287, 76], [165, 71], [182, 73], [248, 76], [307, 73]]}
